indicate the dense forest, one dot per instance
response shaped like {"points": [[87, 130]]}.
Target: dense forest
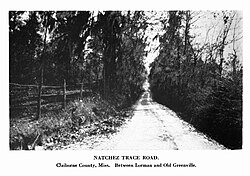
{"points": [[103, 51], [202, 81]]}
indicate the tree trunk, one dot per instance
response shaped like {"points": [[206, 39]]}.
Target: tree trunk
{"points": [[105, 80], [64, 93], [234, 64], [69, 61], [227, 24], [42, 69], [221, 58]]}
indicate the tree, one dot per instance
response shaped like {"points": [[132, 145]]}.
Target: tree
{"points": [[105, 50], [197, 79], [25, 43], [111, 34]]}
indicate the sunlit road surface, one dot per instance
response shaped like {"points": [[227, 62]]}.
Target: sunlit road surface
{"points": [[153, 127]]}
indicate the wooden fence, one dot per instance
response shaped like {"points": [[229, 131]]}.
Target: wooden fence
{"points": [[22, 96]]}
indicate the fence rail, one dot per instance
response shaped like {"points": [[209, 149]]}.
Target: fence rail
{"points": [[23, 96], [22, 85]]}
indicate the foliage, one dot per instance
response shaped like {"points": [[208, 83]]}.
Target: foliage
{"points": [[204, 93], [58, 129], [81, 47], [103, 50], [24, 47]]}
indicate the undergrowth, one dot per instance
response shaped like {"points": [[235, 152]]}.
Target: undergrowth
{"points": [[89, 116]]}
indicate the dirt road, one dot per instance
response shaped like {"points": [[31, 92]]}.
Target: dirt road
{"points": [[152, 127]]}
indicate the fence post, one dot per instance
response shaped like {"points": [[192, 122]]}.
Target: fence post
{"points": [[64, 93], [81, 90], [39, 100], [39, 97]]}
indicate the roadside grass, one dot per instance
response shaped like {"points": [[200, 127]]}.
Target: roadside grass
{"points": [[55, 129]]}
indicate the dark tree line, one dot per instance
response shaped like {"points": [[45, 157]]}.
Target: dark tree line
{"points": [[103, 50], [200, 83]]}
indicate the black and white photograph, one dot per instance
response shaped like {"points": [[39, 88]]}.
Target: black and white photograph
{"points": [[133, 80], [101, 90]]}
